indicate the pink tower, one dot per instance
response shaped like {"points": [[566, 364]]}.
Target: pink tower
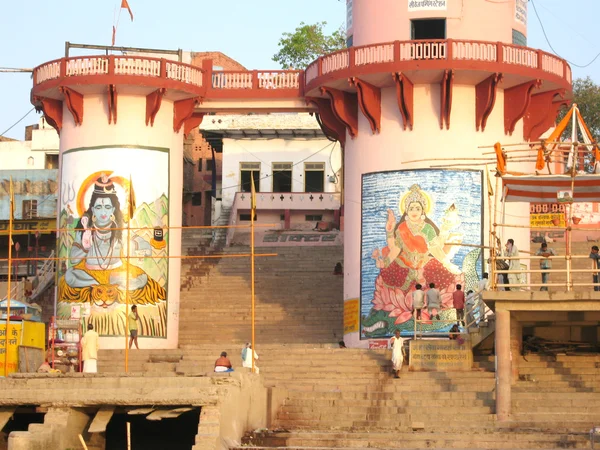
{"points": [[121, 121], [423, 85]]}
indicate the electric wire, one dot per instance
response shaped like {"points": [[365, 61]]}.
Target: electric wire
{"points": [[552, 48], [16, 123]]}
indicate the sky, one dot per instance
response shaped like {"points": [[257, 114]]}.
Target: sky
{"points": [[35, 31]]}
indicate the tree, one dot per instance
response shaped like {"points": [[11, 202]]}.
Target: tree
{"points": [[586, 94], [307, 43]]}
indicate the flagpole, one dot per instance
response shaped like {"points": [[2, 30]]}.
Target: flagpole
{"points": [[11, 212], [252, 213], [130, 214]]}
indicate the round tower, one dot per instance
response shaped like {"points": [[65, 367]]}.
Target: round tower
{"points": [[423, 87], [121, 121]]}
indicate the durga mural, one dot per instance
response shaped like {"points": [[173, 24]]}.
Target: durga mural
{"points": [[421, 244], [97, 273]]}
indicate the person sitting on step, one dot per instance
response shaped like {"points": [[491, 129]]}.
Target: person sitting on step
{"points": [[223, 364]]}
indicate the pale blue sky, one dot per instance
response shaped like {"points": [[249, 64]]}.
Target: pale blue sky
{"points": [[34, 31]]}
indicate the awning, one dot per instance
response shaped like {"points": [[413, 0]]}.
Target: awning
{"points": [[545, 188]]}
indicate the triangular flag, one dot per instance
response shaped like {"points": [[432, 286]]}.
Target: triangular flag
{"points": [[125, 4], [252, 195], [131, 200]]}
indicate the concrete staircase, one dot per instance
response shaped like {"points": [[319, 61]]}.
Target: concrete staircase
{"points": [[298, 299]]}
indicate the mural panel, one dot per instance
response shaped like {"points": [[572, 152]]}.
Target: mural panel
{"points": [[409, 220], [100, 230]]}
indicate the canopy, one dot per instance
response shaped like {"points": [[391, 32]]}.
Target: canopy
{"points": [[545, 188]]}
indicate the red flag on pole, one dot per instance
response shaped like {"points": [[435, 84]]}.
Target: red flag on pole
{"points": [[125, 4]]}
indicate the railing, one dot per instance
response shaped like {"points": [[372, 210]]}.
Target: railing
{"points": [[120, 66], [289, 200], [523, 283], [45, 276], [275, 79], [431, 50], [17, 291]]}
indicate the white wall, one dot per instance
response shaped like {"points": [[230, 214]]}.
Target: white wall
{"points": [[268, 151], [14, 155]]}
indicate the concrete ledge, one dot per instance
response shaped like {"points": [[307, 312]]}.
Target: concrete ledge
{"points": [[109, 389], [543, 300]]}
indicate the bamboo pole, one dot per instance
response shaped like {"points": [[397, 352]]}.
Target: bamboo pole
{"points": [[449, 159], [495, 237], [126, 331], [82, 442], [128, 435], [11, 209], [490, 223], [223, 255], [252, 274]]}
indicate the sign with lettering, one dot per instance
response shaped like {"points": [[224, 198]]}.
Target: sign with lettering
{"points": [[351, 316], [14, 339], [521, 12], [427, 5], [546, 220], [441, 354], [378, 343], [28, 226]]}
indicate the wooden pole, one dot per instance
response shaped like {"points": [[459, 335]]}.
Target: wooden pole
{"points": [[128, 436], [11, 209], [126, 331], [82, 442], [495, 237], [252, 299]]}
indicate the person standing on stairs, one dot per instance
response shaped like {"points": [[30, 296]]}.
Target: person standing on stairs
{"points": [[434, 301], [89, 350], [458, 301], [247, 354], [396, 343], [133, 327]]}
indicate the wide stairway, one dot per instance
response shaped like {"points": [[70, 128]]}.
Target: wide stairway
{"points": [[327, 397]]}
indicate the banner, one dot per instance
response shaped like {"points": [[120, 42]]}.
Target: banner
{"points": [[521, 12], [545, 220], [14, 338], [427, 5], [351, 316], [441, 355], [44, 226]]}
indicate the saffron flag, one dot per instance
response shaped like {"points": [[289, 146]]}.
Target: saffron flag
{"points": [[131, 200], [125, 4]]}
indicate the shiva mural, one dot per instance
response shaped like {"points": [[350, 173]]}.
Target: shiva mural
{"points": [[413, 225], [101, 227]]}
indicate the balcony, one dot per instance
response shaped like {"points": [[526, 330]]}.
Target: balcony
{"points": [[516, 63], [279, 201]]}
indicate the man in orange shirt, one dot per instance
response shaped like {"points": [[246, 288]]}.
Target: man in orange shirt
{"points": [[458, 301]]}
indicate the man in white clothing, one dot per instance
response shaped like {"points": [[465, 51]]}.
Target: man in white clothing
{"points": [[247, 357], [89, 345], [512, 251]]}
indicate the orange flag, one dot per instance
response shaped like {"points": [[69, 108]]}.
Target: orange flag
{"points": [[125, 4]]}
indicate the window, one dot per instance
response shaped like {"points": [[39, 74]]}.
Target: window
{"points": [[246, 217], [51, 161], [313, 217], [282, 177], [209, 165], [197, 199], [428, 29], [282, 217], [29, 209], [519, 38], [247, 170], [199, 164], [314, 177]]}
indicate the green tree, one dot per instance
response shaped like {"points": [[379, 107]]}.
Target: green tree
{"points": [[586, 94], [307, 43]]}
